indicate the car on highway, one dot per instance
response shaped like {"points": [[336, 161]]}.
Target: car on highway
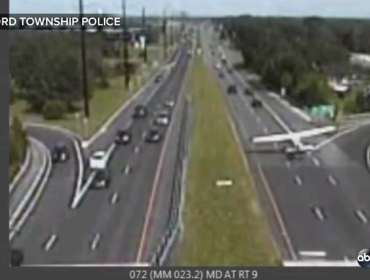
{"points": [[101, 179], [98, 160], [169, 103], [59, 153], [123, 137], [153, 136], [162, 118], [16, 257], [248, 91], [220, 74], [230, 70], [256, 103], [231, 89], [158, 78], [140, 111]]}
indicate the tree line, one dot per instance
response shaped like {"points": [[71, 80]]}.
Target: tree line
{"points": [[297, 54], [45, 68]]}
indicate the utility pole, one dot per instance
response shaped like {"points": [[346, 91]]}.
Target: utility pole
{"points": [[125, 48], [172, 30], [164, 29], [145, 34], [83, 62]]}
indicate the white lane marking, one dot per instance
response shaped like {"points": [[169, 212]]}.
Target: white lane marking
{"points": [[265, 130], [316, 161], [110, 150], [114, 198], [258, 119], [79, 196], [318, 213], [368, 156], [93, 265], [136, 150], [36, 198], [50, 242], [288, 164], [312, 253], [298, 180], [95, 242], [320, 263], [35, 183], [332, 180], [127, 169], [361, 216]]}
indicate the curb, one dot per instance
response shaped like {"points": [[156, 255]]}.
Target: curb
{"points": [[32, 196], [22, 171]]}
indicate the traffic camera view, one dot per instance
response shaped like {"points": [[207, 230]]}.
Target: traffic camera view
{"points": [[194, 134]]}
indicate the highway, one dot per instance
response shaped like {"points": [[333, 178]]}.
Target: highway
{"points": [[317, 206], [109, 226]]}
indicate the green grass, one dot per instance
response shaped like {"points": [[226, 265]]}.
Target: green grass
{"points": [[103, 104], [222, 225]]}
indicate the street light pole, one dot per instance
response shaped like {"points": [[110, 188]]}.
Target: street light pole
{"points": [[83, 62], [125, 48], [145, 34], [164, 29]]}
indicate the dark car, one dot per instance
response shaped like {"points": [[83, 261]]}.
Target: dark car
{"points": [[123, 137], [139, 112], [247, 91], [102, 178], [59, 153], [231, 89], [16, 257], [256, 103], [158, 78], [153, 136], [230, 70], [221, 75]]}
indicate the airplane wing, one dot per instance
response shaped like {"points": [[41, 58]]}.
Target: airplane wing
{"points": [[272, 138], [293, 136], [315, 131]]}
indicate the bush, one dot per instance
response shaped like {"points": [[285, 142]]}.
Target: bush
{"points": [[18, 143], [54, 110]]}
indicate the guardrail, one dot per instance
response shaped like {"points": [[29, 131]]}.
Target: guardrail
{"points": [[174, 222]]}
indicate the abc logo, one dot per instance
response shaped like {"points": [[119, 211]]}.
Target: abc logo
{"points": [[363, 258]]}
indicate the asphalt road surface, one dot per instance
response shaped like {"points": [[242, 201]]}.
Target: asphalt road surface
{"points": [[107, 226], [318, 206]]}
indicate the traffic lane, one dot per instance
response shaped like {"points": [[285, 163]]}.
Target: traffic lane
{"points": [[296, 202], [124, 118], [329, 230], [168, 190], [54, 200], [341, 231], [117, 242], [77, 234]]}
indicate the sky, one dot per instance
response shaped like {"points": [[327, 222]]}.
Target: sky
{"points": [[324, 8]]}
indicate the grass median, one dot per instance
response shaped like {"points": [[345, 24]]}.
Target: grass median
{"points": [[223, 225]]}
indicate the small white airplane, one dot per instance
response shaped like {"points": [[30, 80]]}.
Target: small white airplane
{"points": [[295, 138]]}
